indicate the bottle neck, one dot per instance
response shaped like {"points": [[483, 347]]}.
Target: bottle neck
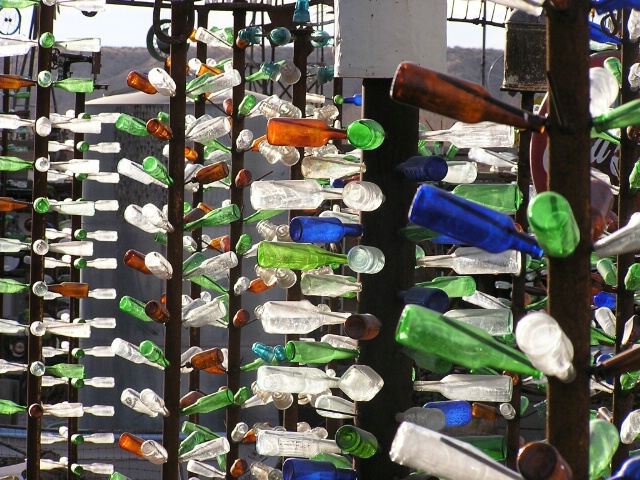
{"points": [[441, 261]]}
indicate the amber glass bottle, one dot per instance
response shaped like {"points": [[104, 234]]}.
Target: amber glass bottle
{"points": [[211, 173], [209, 361], [70, 289], [14, 82], [9, 204], [257, 285], [131, 443], [157, 311], [135, 260], [159, 130], [197, 213], [302, 132], [140, 82]]}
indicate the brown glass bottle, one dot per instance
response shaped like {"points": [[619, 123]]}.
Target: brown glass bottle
{"points": [[257, 285], [302, 132], [70, 289], [135, 260], [211, 173], [485, 412], [243, 178], [190, 398], [227, 106], [627, 361], [131, 443], [457, 99], [157, 311], [159, 130], [362, 326], [167, 65], [238, 468], [14, 82], [220, 244], [541, 461], [9, 204], [249, 437], [190, 154], [140, 82], [256, 143], [197, 213], [209, 361]]}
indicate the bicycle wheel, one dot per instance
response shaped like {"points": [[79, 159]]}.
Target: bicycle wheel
{"points": [[10, 19]]}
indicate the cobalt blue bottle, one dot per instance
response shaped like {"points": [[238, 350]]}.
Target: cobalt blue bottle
{"points": [[424, 169], [468, 222], [322, 230], [457, 412], [630, 470], [431, 298], [301, 469]]}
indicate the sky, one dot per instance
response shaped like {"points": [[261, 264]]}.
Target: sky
{"points": [[128, 26]]}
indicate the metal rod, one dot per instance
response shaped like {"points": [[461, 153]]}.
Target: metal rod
{"points": [[3, 176], [623, 399], [235, 230], [74, 303], [175, 202], [36, 304], [569, 279], [383, 353]]}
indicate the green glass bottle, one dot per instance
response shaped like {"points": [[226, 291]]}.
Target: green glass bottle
{"points": [[504, 198], [247, 104], [18, 3], [153, 353], [7, 407], [242, 395], [75, 85], [209, 403], [430, 332], [454, 287], [66, 370], [208, 283], [356, 441], [619, 117], [614, 66], [157, 170], [416, 233], [131, 125], [134, 308], [607, 269], [317, 352], [632, 278], [494, 446], [118, 476], [365, 134], [8, 285], [430, 362], [14, 164], [215, 218], [163, 117], [192, 262], [296, 256], [244, 243], [189, 427], [551, 219], [603, 443], [215, 146], [634, 177], [629, 380], [338, 461], [189, 443], [262, 215]]}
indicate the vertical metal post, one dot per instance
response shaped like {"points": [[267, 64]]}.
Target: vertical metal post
{"points": [[518, 293], [301, 50], [378, 297], [623, 400], [74, 303], [199, 109], [569, 278], [175, 201], [3, 175], [235, 230], [36, 304]]}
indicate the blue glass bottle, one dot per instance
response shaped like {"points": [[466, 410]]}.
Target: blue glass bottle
{"points": [[302, 469], [355, 100], [469, 222], [322, 230], [605, 299], [630, 470], [597, 34], [457, 412], [424, 169], [431, 298], [269, 354]]}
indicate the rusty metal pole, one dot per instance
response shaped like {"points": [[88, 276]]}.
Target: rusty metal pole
{"points": [[623, 399], [175, 202], [569, 278], [235, 230], [74, 303], [378, 295], [3, 175], [301, 50], [518, 292], [36, 304]]}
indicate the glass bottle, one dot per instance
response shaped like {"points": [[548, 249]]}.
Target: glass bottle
{"points": [[541, 461], [134, 307], [329, 285], [158, 265], [210, 361], [469, 222], [156, 169], [159, 130], [619, 117], [7, 407], [8, 285], [156, 311], [309, 132], [209, 403], [357, 442], [15, 164], [431, 298], [442, 456], [321, 230], [504, 198], [330, 406], [494, 446], [301, 468], [428, 361], [290, 194], [630, 427], [472, 388], [15, 82], [215, 218], [551, 219], [455, 98], [494, 321], [316, 352], [9, 204], [292, 444], [331, 166], [457, 413], [210, 83], [540, 337], [153, 353], [135, 171], [131, 125], [211, 173], [603, 443], [296, 256], [296, 317], [475, 261], [431, 418], [135, 260], [360, 382], [140, 82], [362, 326], [130, 352], [623, 240], [423, 169], [462, 344], [453, 286]]}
